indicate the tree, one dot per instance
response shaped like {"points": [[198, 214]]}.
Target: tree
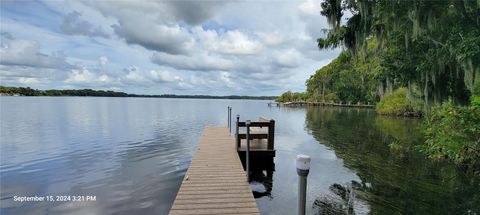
{"points": [[434, 44]]}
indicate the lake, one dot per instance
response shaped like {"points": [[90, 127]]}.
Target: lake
{"points": [[131, 154]]}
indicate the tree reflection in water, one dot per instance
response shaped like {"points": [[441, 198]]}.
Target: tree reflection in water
{"points": [[394, 176]]}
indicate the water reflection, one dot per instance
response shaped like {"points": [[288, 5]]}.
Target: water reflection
{"points": [[132, 154], [126, 152], [262, 183], [340, 200], [261, 176], [393, 176]]}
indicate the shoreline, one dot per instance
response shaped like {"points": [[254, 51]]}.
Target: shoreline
{"points": [[168, 97]]}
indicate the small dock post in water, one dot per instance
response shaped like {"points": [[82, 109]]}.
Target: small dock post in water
{"points": [[216, 181]]}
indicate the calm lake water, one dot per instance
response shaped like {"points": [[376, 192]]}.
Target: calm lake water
{"points": [[132, 153]]}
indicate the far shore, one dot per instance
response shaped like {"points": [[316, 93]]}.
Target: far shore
{"points": [[27, 91], [154, 96]]}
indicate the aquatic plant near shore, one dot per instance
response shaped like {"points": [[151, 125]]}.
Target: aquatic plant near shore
{"points": [[453, 132], [398, 104], [339, 202]]}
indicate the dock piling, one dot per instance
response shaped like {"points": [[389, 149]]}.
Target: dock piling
{"points": [[230, 119], [247, 152], [303, 168], [271, 135], [237, 139]]}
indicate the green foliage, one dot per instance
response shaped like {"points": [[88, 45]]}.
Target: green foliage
{"points": [[83, 92], [475, 100], [349, 81], [19, 91], [397, 103], [453, 132], [476, 87], [331, 97], [434, 44], [291, 97]]}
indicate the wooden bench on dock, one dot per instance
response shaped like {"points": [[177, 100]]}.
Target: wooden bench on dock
{"points": [[262, 136], [215, 182]]}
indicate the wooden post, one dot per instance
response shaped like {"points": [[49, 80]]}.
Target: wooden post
{"points": [[229, 125], [271, 134], [247, 151], [230, 119], [237, 132]]}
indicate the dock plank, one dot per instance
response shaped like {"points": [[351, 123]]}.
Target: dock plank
{"points": [[215, 182]]}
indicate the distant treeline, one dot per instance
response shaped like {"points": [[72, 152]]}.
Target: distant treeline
{"points": [[27, 91]]}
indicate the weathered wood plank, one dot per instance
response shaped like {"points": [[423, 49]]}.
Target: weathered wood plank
{"points": [[215, 211], [184, 196], [224, 187], [214, 204], [245, 201]]}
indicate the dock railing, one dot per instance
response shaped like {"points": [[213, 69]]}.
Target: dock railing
{"points": [[263, 122]]}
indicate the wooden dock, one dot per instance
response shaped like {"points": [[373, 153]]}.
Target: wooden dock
{"points": [[304, 103], [215, 182]]}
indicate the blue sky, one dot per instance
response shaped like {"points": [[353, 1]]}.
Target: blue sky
{"points": [[157, 47]]}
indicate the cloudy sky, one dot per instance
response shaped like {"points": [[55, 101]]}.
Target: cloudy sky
{"points": [[157, 47]]}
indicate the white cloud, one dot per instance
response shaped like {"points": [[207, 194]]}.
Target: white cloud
{"points": [[27, 53], [28, 80], [73, 25], [104, 78], [81, 76], [172, 39], [13, 74], [149, 24], [201, 61], [163, 76], [103, 60], [230, 42], [310, 7], [236, 42], [214, 47], [86, 77], [195, 12], [288, 58], [271, 38], [133, 74], [225, 77], [205, 80]]}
